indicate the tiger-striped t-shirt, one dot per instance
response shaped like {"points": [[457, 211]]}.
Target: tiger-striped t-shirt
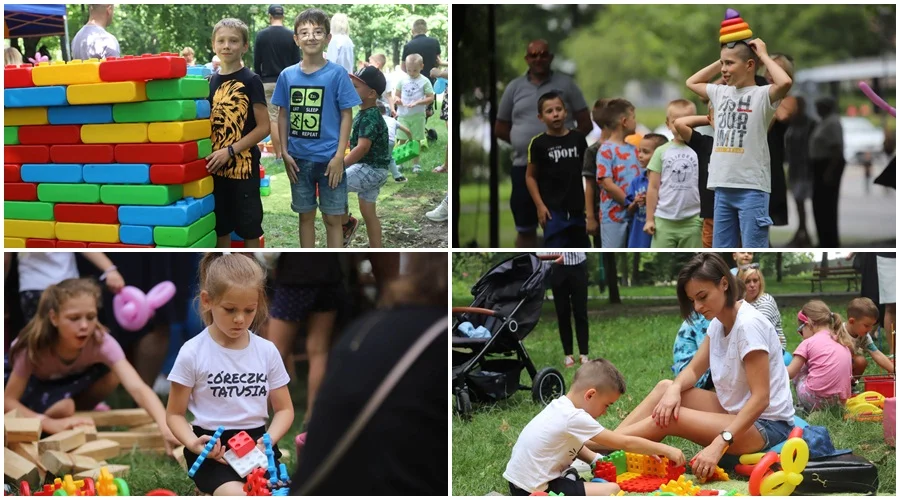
{"points": [[231, 98]]}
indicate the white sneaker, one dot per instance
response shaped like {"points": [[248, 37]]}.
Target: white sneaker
{"points": [[439, 214], [417, 169]]}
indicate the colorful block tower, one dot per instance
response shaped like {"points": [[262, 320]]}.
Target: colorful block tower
{"points": [[107, 153], [733, 28]]}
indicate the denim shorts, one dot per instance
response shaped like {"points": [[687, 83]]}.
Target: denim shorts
{"points": [[773, 431], [366, 181], [303, 193]]}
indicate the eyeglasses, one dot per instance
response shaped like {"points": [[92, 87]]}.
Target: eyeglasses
{"points": [[315, 35], [800, 329], [539, 55]]}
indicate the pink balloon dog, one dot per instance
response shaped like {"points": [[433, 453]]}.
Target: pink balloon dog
{"points": [[133, 309], [881, 103]]}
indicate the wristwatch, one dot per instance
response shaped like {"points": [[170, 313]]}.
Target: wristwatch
{"points": [[728, 437]]}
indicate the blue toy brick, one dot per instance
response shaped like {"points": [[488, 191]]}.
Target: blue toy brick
{"points": [[33, 97], [136, 235], [79, 115], [181, 213], [57, 173], [273, 472], [209, 446], [264, 182], [199, 71], [235, 237], [599, 480], [117, 173], [281, 492], [202, 109], [284, 477]]}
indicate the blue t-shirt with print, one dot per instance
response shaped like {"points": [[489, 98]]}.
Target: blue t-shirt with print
{"points": [[637, 238], [314, 103], [619, 162]]}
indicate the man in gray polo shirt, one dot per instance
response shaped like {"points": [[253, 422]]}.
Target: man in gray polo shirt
{"points": [[518, 122], [93, 41]]}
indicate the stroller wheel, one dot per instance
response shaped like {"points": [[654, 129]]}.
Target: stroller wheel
{"points": [[463, 404], [549, 384]]}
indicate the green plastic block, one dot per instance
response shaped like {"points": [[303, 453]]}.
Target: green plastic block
{"points": [[189, 87], [265, 191], [208, 241], [154, 111], [183, 237], [405, 152], [141, 195], [69, 193], [28, 210], [619, 460], [10, 135], [204, 148]]}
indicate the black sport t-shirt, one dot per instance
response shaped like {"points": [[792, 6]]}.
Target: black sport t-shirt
{"points": [[427, 47], [703, 146], [231, 98], [559, 161], [274, 50]]}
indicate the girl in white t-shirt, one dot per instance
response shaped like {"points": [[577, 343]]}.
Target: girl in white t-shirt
{"points": [[751, 409], [227, 375]]}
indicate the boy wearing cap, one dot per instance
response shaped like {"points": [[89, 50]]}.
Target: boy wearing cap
{"points": [[369, 156], [316, 98]]}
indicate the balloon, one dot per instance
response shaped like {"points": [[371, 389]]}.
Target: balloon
{"points": [[133, 309], [751, 458], [794, 457], [759, 472], [878, 101]]}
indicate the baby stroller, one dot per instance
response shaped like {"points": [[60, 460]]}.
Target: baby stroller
{"points": [[508, 301]]}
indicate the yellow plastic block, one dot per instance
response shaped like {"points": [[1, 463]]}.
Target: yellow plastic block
{"points": [[13, 117], [720, 475], [634, 462], [13, 242], [29, 228], [76, 72], [180, 131], [78, 231], [734, 37], [199, 188], [680, 487], [106, 93], [625, 476], [114, 133]]}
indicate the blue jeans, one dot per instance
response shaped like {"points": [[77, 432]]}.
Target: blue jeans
{"points": [[303, 193], [741, 218], [773, 431]]}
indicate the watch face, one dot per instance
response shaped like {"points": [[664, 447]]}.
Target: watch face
{"points": [[727, 436]]}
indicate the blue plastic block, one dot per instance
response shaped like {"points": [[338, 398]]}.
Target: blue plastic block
{"points": [[181, 213], [202, 109], [440, 85], [68, 173], [209, 446], [198, 71], [78, 115], [281, 492], [273, 472], [599, 480], [264, 182], [136, 235], [284, 477], [33, 97], [235, 237], [117, 173]]}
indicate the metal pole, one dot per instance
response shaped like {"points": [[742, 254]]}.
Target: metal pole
{"points": [[493, 179], [68, 46]]}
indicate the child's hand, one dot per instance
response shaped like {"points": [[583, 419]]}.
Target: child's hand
{"points": [[592, 225], [171, 442], [261, 445], [335, 170], [56, 425], [759, 47], [641, 199], [217, 453], [543, 215], [217, 160], [412, 104], [114, 281], [675, 455], [650, 227], [290, 166]]}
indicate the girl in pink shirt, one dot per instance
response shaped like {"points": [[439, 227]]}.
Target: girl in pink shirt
{"points": [[822, 364]]}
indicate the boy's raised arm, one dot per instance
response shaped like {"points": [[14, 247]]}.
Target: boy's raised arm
{"points": [[686, 124], [610, 440], [698, 81], [781, 82]]}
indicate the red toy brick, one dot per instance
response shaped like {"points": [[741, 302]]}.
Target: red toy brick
{"points": [[19, 191], [707, 493], [605, 471], [256, 483], [11, 172], [262, 171], [241, 443], [87, 213], [672, 472], [643, 484], [178, 173], [83, 153], [70, 244], [145, 67], [117, 245], [157, 153], [40, 243], [15, 77], [26, 154], [50, 134], [240, 243]]}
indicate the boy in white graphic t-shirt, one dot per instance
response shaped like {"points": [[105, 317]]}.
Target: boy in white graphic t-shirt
{"points": [[739, 168]]}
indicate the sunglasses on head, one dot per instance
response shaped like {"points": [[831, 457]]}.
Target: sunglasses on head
{"points": [[804, 320], [732, 45], [539, 55]]}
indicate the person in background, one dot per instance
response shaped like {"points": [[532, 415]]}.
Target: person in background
{"points": [[826, 152], [188, 54], [12, 56], [274, 50], [800, 178], [340, 49], [93, 41], [569, 282]]}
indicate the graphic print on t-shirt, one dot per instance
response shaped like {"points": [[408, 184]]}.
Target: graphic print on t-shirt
{"points": [[681, 164], [620, 162], [230, 109], [731, 124], [306, 111], [236, 385]]}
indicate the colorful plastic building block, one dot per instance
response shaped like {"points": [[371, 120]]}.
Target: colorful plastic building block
{"points": [[136, 235], [405, 152], [88, 214], [11, 172], [257, 485], [155, 111], [69, 193], [112, 245], [20, 191], [199, 188], [118, 133], [107, 93], [189, 87], [642, 484], [25, 116], [156, 153], [34, 96], [618, 458], [77, 231], [178, 173], [198, 71], [179, 131], [52, 172], [26, 154], [184, 236], [107, 485], [204, 148], [14, 242], [707, 493], [265, 182], [201, 108], [75, 72], [17, 76], [82, 153], [117, 173], [29, 228], [240, 243], [719, 475], [262, 172], [208, 448], [10, 136], [50, 134], [143, 67], [140, 195], [80, 115], [73, 244], [181, 213], [606, 471], [680, 487], [672, 472], [270, 455], [265, 191], [241, 443], [40, 243], [252, 459], [625, 476], [27, 210]]}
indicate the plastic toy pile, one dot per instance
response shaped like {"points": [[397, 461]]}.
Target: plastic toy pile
{"points": [[264, 476], [636, 473]]}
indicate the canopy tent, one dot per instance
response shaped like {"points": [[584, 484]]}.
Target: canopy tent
{"points": [[27, 21]]}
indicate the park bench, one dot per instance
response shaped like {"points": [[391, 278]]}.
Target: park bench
{"points": [[821, 274]]}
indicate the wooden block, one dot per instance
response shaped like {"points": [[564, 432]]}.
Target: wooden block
{"points": [[152, 427], [11, 413], [117, 418], [90, 432], [28, 451], [62, 441], [16, 469], [22, 430], [100, 449], [179, 457], [127, 440], [115, 469], [60, 463]]}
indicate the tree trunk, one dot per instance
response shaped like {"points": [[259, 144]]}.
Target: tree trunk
{"points": [[635, 264], [612, 278], [824, 265], [625, 268], [779, 261]]}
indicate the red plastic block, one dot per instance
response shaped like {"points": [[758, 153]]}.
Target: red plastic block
{"points": [[241, 443], [157, 153], [605, 471], [178, 173], [83, 153], [15, 77], [643, 484], [11, 172], [145, 67], [117, 245], [50, 134], [262, 171], [256, 483], [673, 472], [26, 154], [71, 244], [707, 493], [19, 191], [87, 213], [40, 243], [240, 243]]}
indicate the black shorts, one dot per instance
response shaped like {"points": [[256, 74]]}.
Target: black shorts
{"points": [[212, 474], [560, 486], [520, 202], [294, 303], [41, 394], [238, 207]]}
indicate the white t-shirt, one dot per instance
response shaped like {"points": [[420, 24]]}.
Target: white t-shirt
{"points": [[39, 270], [679, 169], [412, 90], [230, 386], [740, 157], [751, 332], [548, 445], [392, 128]]}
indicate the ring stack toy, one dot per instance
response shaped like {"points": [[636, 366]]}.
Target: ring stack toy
{"points": [[734, 29]]}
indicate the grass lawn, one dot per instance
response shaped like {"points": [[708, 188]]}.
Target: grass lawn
{"points": [[401, 207], [482, 446]]}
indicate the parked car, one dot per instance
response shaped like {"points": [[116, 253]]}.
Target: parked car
{"points": [[863, 141]]}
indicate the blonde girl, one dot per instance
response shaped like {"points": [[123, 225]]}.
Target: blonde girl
{"points": [[822, 364], [755, 295]]}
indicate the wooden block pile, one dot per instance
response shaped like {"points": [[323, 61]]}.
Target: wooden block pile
{"points": [[80, 451]]}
